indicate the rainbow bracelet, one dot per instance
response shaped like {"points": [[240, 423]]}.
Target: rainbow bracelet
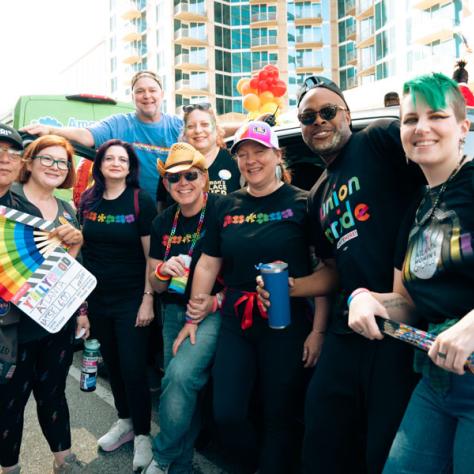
{"points": [[159, 275]]}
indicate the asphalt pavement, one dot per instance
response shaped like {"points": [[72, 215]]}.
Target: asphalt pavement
{"points": [[92, 414]]}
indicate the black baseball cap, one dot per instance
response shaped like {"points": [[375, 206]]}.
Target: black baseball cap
{"points": [[10, 135], [312, 82]]}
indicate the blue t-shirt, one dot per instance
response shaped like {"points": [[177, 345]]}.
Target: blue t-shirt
{"points": [[151, 141]]}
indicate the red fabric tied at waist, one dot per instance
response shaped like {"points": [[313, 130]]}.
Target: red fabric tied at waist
{"points": [[250, 297]]}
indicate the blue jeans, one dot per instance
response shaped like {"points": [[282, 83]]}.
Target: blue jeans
{"points": [[185, 375], [437, 432]]}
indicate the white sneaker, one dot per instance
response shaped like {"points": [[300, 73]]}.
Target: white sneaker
{"points": [[154, 468], [142, 452], [120, 433]]}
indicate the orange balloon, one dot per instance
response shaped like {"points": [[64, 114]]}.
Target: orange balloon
{"points": [[241, 84], [266, 96], [247, 89], [251, 102]]}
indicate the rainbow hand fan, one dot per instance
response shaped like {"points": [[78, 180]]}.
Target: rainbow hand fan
{"points": [[37, 274]]}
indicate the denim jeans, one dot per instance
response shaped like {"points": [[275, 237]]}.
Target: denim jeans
{"points": [[185, 375], [437, 432]]}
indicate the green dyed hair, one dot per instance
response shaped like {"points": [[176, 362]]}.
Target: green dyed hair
{"points": [[438, 91]]}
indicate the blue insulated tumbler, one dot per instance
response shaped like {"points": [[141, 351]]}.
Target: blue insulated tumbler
{"points": [[275, 278]]}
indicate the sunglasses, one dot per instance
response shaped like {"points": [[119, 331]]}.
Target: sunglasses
{"points": [[190, 107], [326, 113], [174, 178]]}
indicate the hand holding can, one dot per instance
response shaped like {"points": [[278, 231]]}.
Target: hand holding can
{"points": [[178, 284], [275, 279]]}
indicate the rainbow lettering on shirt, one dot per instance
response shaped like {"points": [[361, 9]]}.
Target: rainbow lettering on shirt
{"points": [[179, 239], [338, 201], [102, 218], [257, 218]]}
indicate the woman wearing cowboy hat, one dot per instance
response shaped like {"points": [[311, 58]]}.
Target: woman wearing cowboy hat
{"points": [[176, 240]]}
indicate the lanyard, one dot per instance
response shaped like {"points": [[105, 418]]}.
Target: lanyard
{"points": [[195, 235]]}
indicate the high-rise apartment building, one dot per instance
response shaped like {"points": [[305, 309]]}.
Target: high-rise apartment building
{"points": [[201, 48]]}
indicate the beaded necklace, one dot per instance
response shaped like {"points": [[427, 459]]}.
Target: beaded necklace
{"points": [[430, 213], [195, 235]]}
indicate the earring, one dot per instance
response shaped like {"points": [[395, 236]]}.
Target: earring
{"points": [[278, 172]]}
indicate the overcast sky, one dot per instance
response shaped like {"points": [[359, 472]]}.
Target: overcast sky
{"points": [[39, 38]]}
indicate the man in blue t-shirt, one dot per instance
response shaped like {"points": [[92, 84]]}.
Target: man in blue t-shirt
{"points": [[151, 131]]}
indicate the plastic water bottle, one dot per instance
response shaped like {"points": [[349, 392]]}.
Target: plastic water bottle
{"points": [[90, 357]]}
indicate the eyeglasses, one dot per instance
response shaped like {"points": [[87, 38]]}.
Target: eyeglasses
{"points": [[312, 82], [190, 107], [49, 162], [12, 154], [174, 178], [326, 113]]}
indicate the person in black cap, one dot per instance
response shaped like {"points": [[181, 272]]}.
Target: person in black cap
{"points": [[391, 99], [360, 388], [11, 150]]}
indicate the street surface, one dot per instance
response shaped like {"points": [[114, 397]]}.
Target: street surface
{"points": [[92, 414]]}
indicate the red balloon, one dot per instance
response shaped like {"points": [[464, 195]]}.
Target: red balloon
{"points": [[279, 89], [263, 86], [271, 69], [254, 83], [263, 75]]}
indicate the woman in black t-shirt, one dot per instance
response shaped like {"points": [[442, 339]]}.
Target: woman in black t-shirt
{"points": [[176, 245], [264, 222], [116, 217], [434, 278], [43, 359], [204, 134]]}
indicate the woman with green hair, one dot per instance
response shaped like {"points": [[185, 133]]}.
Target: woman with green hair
{"points": [[433, 282]]}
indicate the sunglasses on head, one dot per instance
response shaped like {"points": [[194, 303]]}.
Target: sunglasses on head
{"points": [[190, 107], [174, 178], [312, 82], [326, 113]]}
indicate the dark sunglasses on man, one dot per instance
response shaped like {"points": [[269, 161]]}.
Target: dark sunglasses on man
{"points": [[326, 113], [174, 178]]}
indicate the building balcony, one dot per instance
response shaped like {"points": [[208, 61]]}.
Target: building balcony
{"points": [[264, 42], [432, 63], [308, 41], [351, 58], [351, 82], [308, 65], [429, 30], [350, 7], [133, 54], [188, 87], [187, 62], [310, 19], [131, 33], [365, 9], [351, 32], [187, 11], [367, 70], [424, 4], [263, 19], [191, 37], [130, 10], [365, 40], [255, 2]]}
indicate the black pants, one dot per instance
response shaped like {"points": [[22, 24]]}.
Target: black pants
{"points": [[354, 404], [124, 349], [42, 367], [273, 358]]}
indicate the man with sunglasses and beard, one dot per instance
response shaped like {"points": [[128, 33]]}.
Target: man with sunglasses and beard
{"points": [[360, 388]]}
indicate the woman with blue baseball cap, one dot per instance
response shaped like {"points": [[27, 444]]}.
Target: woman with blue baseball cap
{"points": [[263, 222]]}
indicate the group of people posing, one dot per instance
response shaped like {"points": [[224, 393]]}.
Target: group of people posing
{"points": [[387, 231]]}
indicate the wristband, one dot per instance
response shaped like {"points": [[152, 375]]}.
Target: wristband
{"points": [[355, 293], [148, 293], [83, 309], [215, 304], [190, 320], [159, 275]]}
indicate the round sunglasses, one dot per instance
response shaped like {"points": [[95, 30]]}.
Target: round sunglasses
{"points": [[326, 113]]}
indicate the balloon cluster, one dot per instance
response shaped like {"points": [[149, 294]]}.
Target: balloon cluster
{"points": [[263, 93]]}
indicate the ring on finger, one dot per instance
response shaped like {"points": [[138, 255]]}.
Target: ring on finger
{"points": [[442, 355]]}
